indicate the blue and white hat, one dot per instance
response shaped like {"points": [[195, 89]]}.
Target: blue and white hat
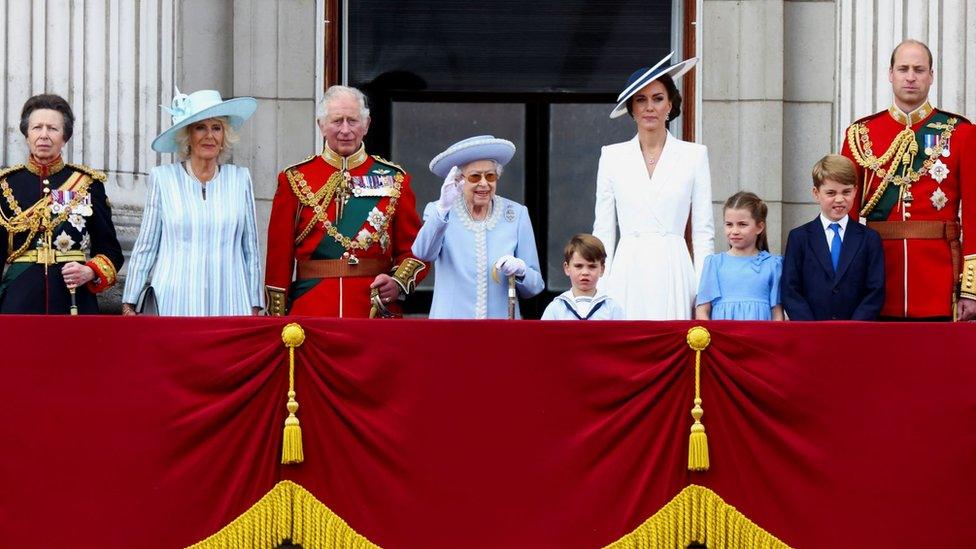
{"points": [[482, 147], [645, 76], [201, 105]]}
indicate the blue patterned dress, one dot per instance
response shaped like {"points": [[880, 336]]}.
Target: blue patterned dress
{"points": [[741, 288], [200, 252]]}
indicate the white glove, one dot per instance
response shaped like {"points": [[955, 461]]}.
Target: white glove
{"points": [[509, 265], [450, 191]]}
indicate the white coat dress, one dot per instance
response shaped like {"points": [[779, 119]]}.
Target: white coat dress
{"points": [[649, 271]]}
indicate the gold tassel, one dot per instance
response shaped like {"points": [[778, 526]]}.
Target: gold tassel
{"points": [[698, 339], [291, 449]]}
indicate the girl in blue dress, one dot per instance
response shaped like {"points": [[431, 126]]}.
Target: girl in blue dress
{"points": [[742, 283]]}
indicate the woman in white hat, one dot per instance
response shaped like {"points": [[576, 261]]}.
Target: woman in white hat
{"points": [[197, 247], [647, 187], [470, 232]]}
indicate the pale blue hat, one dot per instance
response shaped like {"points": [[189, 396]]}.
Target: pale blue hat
{"points": [[645, 76], [201, 105], [482, 147]]}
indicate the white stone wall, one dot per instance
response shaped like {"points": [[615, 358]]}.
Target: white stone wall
{"points": [[110, 64], [742, 112], [869, 31], [277, 59]]}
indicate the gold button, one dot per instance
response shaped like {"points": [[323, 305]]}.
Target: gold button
{"points": [[46, 190], [908, 215]]}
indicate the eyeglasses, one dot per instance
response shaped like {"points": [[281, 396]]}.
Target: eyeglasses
{"points": [[490, 177]]}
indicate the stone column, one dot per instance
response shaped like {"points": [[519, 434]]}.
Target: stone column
{"points": [[869, 31], [743, 104], [808, 84], [275, 60]]}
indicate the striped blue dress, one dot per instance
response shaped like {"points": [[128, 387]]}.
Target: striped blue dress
{"points": [[200, 253]]}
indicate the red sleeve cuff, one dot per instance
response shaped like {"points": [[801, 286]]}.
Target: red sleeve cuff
{"points": [[104, 274]]}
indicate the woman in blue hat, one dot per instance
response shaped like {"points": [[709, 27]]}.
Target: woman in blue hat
{"points": [[477, 239], [197, 248], [647, 187]]}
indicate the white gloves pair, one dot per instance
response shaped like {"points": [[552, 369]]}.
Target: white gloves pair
{"points": [[450, 191], [509, 265]]}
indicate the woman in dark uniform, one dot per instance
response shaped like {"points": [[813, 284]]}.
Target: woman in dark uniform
{"points": [[56, 233]]}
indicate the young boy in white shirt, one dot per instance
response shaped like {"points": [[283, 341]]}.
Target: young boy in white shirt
{"points": [[584, 262]]}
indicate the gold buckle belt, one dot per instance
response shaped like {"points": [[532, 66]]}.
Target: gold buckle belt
{"points": [[49, 257], [337, 268]]}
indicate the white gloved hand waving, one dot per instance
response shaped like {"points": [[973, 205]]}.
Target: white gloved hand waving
{"points": [[509, 265], [450, 191]]}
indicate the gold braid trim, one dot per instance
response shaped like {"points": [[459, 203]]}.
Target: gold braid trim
{"points": [[967, 286], [7, 171], [699, 515], [318, 201], [287, 512], [38, 218], [901, 154], [406, 273], [90, 172]]}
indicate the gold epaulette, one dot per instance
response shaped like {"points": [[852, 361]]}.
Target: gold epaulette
{"points": [[388, 163], [962, 119], [7, 171], [90, 172], [864, 119], [297, 164]]}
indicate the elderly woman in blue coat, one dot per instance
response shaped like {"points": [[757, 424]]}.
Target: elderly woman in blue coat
{"points": [[469, 232]]}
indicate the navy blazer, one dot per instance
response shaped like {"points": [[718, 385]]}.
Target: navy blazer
{"points": [[811, 290]]}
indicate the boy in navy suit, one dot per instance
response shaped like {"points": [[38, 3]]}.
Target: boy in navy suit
{"points": [[833, 268]]}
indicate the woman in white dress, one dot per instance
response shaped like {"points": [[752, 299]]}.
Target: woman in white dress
{"points": [[198, 245], [648, 186]]}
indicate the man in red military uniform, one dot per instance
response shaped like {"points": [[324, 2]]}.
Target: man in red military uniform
{"points": [[343, 222], [913, 172]]}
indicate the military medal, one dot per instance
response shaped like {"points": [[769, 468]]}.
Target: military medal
{"points": [[939, 199], [939, 171]]}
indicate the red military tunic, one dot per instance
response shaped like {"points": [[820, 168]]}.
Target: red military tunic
{"points": [[912, 174], [337, 257]]}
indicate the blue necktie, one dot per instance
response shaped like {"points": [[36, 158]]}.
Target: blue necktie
{"points": [[835, 245]]}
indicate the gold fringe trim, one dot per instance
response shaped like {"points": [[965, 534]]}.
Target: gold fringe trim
{"points": [[697, 515], [287, 512], [291, 448], [698, 339]]}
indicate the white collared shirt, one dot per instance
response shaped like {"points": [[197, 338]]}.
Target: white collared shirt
{"points": [[829, 233]]}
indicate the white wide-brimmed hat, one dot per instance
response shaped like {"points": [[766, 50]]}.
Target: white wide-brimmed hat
{"points": [[645, 76], [482, 147], [201, 105]]}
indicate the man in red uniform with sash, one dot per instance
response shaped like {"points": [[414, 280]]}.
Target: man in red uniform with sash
{"points": [[343, 222], [913, 172]]}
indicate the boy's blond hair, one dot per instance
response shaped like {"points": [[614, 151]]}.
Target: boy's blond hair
{"points": [[835, 168]]}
